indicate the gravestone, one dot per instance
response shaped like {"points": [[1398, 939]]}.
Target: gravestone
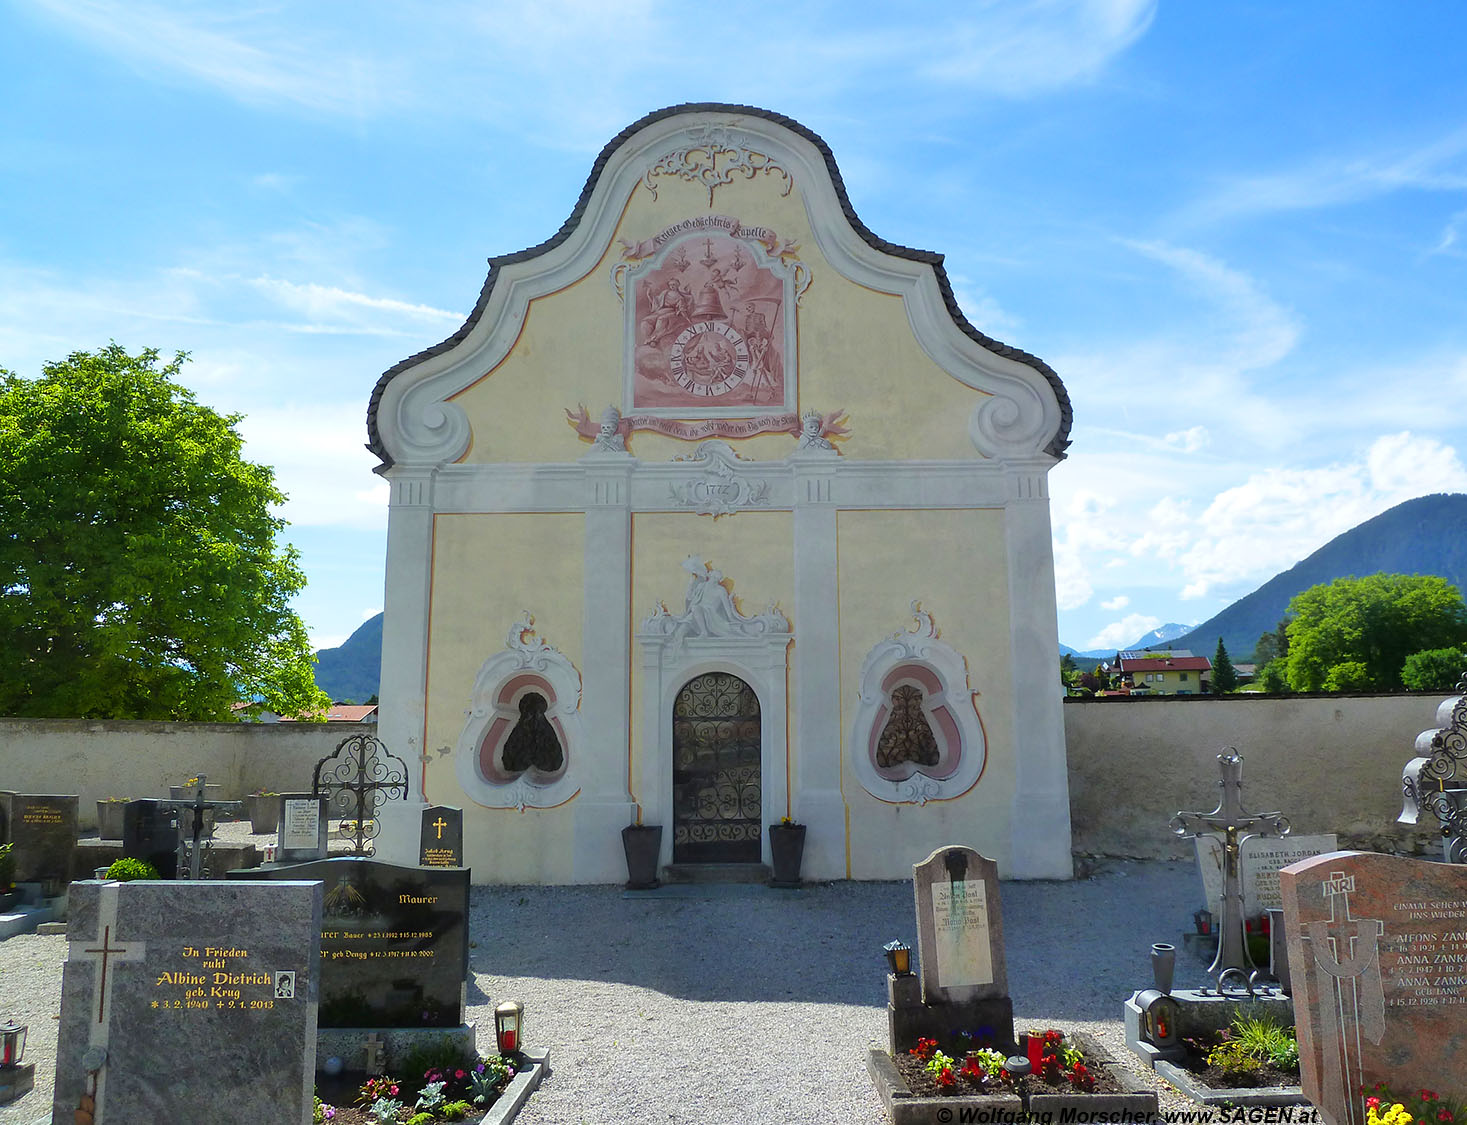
{"points": [[441, 840], [394, 941], [301, 835], [43, 829], [1378, 957], [185, 1001], [150, 833], [960, 947], [1260, 859]]}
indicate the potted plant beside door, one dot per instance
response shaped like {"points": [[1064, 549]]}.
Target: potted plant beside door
{"points": [[643, 846], [786, 850]]}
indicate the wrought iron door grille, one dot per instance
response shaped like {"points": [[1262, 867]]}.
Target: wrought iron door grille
{"points": [[717, 795]]}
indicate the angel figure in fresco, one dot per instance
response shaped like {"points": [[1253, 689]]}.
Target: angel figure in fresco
{"points": [[672, 310]]}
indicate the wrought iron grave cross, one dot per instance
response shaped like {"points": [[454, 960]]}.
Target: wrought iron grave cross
{"points": [[1230, 825], [355, 780], [1442, 759], [191, 844]]}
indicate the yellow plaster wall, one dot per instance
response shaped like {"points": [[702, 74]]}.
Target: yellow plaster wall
{"points": [[755, 550], [953, 562], [856, 352], [487, 570]]}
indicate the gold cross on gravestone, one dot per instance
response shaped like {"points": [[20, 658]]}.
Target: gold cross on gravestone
{"points": [[440, 824], [1229, 823]]}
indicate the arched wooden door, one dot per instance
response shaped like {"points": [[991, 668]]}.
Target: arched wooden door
{"points": [[716, 795]]}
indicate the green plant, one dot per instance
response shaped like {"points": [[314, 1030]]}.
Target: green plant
{"points": [[385, 1110], [431, 1097], [421, 1119], [127, 868], [1238, 1062], [455, 1111], [487, 1077], [439, 1057], [7, 864], [938, 1063], [1267, 1040], [321, 1112]]}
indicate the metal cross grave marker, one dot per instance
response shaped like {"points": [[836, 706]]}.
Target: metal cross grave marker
{"points": [[1229, 824], [191, 844], [355, 780]]}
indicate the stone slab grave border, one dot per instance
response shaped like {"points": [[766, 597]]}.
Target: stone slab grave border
{"points": [[1236, 1095], [1136, 1103]]}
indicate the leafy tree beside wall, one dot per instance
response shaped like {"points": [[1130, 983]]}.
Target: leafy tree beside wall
{"points": [[1355, 634], [139, 572], [1435, 669]]}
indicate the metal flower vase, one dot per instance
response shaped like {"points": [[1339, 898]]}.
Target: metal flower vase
{"points": [[1163, 966]]}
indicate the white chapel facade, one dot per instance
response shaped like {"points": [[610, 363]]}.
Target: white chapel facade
{"points": [[715, 512]]}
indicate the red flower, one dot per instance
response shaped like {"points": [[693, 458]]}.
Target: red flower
{"points": [[1428, 1096], [945, 1078], [458, 1074], [1373, 1103], [1444, 1115]]}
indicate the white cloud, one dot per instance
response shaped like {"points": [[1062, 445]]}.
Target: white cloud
{"points": [[320, 463], [1123, 632], [350, 311], [256, 60], [1120, 601], [1189, 440]]}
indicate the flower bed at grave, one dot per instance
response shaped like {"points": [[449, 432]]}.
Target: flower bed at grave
{"points": [[452, 1091], [929, 1071], [1251, 1054], [1422, 1107]]}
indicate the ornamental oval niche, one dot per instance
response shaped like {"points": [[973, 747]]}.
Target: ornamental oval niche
{"points": [[917, 736]]}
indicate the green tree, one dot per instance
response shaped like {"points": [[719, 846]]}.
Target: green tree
{"points": [[1069, 671], [1271, 678], [1273, 646], [139, 571], [1224, 675], [1434, 669], [1354, 634]]}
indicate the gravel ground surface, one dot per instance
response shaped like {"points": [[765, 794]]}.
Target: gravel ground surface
{"points": [[733, 1003]]}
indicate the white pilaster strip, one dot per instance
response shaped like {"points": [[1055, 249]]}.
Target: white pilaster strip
{"points": [[1040, 815]]}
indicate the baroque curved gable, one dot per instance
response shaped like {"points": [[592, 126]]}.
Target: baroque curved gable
{"points": [[739, 360]]}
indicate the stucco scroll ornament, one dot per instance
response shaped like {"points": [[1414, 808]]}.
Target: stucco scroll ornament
{"points": [[720, 491], [713, 157], [709, 610], [916, 736], [523, 728]]}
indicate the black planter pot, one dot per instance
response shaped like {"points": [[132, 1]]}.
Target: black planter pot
{"points": [[643, 845], [786, 850]]}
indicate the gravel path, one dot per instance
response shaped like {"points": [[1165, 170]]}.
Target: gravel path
{"points": [[722, 1004]]}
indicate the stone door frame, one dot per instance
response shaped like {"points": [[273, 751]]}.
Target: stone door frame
{"points": [[667, 665]]}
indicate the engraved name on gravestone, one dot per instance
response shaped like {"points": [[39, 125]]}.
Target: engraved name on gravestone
{"points": [[441, 841], [43, 829], [1378, 960], [394, 941], [959, 926], [188, 1001], [303, 826], [1262, 858]]}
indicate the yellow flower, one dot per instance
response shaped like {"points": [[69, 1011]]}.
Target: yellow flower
{"points": [[1396, 1115]]}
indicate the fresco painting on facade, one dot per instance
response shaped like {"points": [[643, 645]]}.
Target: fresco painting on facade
{"points": [[709, 325], [711, 436]]}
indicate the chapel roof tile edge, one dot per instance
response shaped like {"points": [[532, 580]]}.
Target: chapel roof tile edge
{"points": [[1056, 447]]}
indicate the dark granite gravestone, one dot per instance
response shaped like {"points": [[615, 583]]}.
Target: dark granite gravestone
{"points": [[189, 1001], [43, 830], [150, 832], [441, 841], [960, 942], [1378, 963], [394, 941], [301, 835]]}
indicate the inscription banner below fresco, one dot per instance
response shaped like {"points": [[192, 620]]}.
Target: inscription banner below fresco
{"points": [[394, 941]]}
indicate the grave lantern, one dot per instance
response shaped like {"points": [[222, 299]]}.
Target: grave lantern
{"points": [[12, 1043], [1203, 918], [507, 1019], [898, 958]]}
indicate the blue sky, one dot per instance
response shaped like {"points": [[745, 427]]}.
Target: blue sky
{"points": [[1237, 230]]}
